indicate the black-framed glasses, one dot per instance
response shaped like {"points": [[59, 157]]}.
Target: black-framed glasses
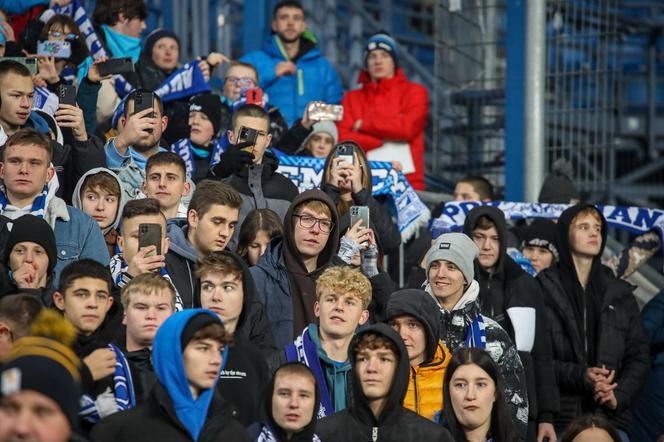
{"points": [[308, 221]]}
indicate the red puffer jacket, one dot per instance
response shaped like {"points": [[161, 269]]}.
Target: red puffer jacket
{"points": [[392, 109]]}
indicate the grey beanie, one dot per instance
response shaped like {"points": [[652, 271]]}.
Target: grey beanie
{"points": [[456, 248], [326, 126]]}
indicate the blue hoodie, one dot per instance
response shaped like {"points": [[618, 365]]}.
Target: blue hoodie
{"points": [[169, 367]]}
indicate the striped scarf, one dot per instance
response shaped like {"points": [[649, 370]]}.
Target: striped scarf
{"points": [[123, 390], [38, 205], [121, 278], [187, 152], [476, 335]]}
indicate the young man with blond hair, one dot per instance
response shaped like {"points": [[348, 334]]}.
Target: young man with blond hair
{"points": [[343, 295]]}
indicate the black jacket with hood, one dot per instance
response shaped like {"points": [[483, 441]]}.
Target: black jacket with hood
{"points": [[512, 298], [395, 423], [268, 426], [591, 327], [261, 187], [387, 233], [285, 287]]}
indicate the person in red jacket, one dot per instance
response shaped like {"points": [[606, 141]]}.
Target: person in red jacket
{"points": [[387, 109]]}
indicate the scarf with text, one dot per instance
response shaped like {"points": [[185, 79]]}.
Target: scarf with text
{"points": [[184, 82], [307, 172]]}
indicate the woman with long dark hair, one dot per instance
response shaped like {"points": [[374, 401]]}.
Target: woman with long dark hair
{"points": [[474, 404]]}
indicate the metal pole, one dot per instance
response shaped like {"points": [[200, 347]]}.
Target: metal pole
{"points": [[535, 122]]}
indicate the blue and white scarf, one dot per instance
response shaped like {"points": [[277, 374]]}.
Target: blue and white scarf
{"points": [[307, 173], [123, 390], [476, 334], [38, 205], [267, 435], [187, 152], [121, 278], [304, 350], [184, 82], [45, 100], [633, 219]]}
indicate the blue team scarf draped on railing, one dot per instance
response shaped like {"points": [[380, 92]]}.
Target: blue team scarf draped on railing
{"points": [[185, 149], [123, 390], [633, 219], [307, 172]]}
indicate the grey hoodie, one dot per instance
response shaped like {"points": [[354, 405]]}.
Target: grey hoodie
{"points": [[76, 196]]}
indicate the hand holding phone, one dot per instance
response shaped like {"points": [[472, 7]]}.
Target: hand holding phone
{"points": [[67, 94], [318, 111], [246, 139], [149, 234], [54, 48], [113, 66]]}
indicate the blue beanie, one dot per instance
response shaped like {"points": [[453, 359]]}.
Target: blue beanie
{"points": [[382, 41]]}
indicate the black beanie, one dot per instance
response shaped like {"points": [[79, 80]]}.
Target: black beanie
{"points": [[558, 187], [541, 233], [196, 323], [29, 228], [210, 105], [154, 37]]}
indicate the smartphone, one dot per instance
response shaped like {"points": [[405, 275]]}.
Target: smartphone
{"points": [[57, 49], [116, 66], [143, 100], [247, 138], [357, 213], [28, 62], [67, 94], [254, 96], [346, 152], [149, 235], [324, 111]]}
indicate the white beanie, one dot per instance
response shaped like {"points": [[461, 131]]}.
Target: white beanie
{"points": [[326, 126]]}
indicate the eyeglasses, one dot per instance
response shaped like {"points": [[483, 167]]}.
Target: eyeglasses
{"points": [[58, 34], [242, 81], [308, 221]]}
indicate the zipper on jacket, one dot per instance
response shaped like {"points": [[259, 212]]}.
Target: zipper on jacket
{"points": [[417, 402], [300, 82], [374, 434]]}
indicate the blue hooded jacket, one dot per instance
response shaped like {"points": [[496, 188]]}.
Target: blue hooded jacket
{"points": [[169, 367], [315, 79]]}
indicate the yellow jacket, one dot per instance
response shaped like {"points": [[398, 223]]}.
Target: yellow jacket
{"points": [[425, 387]]}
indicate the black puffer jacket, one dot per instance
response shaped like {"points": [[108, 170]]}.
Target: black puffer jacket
{"points": [[395, 423], [619, 342], [155, 421], [513, 298]]}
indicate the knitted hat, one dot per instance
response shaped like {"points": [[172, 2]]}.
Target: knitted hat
{"points": [[29, 228], [558, 187], [456, 248], [44, 363], [196, 323], [210, 105], [326, 126], [541, 233], [154, 37], [382, 41]]}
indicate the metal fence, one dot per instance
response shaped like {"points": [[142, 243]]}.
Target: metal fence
{"points": [[469, 91]]}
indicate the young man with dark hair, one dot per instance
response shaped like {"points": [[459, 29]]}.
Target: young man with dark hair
{"points": [[512, 298], [147, 301], [132, 260], [41, 385], [188, 354], [251, 168], [211, 219], [84, 297], [381, 371], [291, 67], [166, 181], [286, 274], [290, 405], [25, 172], [227, 289], [17, 313], [343, 295], [80, 154], [100, 195], [415, 315], [600, 352], [473, 188]]}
